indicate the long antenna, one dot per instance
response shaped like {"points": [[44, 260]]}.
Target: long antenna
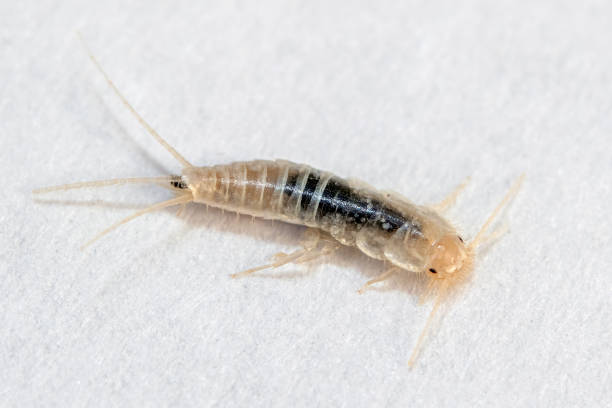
{"points": [[434, 310], [104, 183], [444, 287], [511, 193], [185, 198], [148, 127]]}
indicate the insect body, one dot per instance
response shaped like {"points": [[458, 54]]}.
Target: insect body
{"points": [[384, 226], [381, 225]]}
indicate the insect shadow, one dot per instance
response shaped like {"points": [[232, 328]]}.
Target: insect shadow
{"points": [[224, 222]]}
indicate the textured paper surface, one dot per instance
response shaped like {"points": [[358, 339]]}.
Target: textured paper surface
{"points": [[410, 96]]}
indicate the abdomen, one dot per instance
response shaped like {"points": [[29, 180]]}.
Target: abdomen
{"points": [[299, 194]]}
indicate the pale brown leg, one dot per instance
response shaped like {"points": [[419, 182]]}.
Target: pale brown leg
{"points": [[383, 276], [452, 197], [311, 255], [311, 250], [279, 259]]}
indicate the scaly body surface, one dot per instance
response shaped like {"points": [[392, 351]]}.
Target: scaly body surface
{"points": [[352, 212], [382, 225]]}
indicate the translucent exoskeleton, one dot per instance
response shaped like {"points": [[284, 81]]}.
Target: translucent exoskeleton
{"points": [[382, 225]]}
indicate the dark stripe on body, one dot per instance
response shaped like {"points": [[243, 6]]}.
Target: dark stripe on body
{"points": [[309, 189], [291, 183], [339, 198]]}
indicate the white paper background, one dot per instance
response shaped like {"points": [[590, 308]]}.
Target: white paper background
{"points": [[412, 96]]}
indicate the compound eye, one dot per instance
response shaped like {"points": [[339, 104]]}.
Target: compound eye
{"points": [[432, 270]]}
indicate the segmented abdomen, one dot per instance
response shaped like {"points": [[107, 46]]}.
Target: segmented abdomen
{"points": [[296, 193]]}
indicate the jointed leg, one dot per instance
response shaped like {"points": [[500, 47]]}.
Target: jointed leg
{"points": [[326, 249], [314, 246], [383, 276]]}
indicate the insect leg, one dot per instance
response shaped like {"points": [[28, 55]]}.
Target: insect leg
{"points": [[314, 246], [326, 249], [383, 276]]}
